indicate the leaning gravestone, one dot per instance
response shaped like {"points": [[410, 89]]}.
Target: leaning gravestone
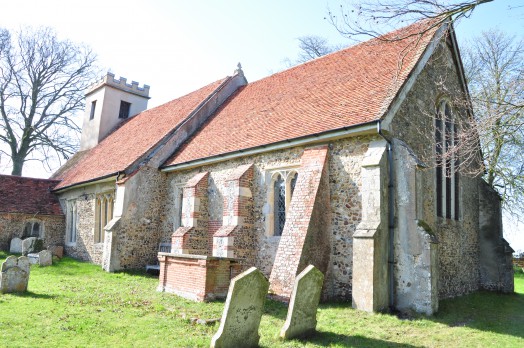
{"points": [[302, 312], [28, 245], [14, 274], [16, 246], [243, 311], [45, 258]]}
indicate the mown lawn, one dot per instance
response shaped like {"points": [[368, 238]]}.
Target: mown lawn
{"points": [[74, 304]]}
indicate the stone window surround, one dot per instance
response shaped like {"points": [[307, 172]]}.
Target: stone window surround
{"points": [[32, 221], [178, 190], [287, 172], [104, 208], [92, 111], [125, 109], [441, 105], [71, 222]]}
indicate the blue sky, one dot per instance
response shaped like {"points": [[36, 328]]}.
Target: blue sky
{"points": [[178, 46]]}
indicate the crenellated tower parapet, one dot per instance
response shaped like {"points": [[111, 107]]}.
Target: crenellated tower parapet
{"points": [[121, 83], [109, 102]]}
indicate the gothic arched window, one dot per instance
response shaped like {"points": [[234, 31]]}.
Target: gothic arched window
{"points": [[279, 189], [32, 229], [447, 162]]}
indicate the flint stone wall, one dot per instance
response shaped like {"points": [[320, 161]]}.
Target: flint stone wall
{"points": [[344, 159], [458, 248], [85, 248], [138, 234], [496, 267], [12, 226]]}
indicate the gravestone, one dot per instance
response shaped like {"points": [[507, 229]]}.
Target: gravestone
{"points": [[243, 311], [28, 245], [45, 258], [14, 274], [56, 250], [16, 246], [302, 311]]}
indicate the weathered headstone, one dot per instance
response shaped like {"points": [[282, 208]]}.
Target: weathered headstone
{"points": [[14, 274], [28, 245], [45, 258], [16, 246], [302, 311], [56, 250], [11, 261], [243, 311]]}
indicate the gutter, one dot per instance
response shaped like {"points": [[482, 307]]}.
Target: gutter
{"points": [[361, 129], [391, 221], [105, 178]]}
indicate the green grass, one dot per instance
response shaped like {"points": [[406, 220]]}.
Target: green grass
{"points": [[74, 304]]}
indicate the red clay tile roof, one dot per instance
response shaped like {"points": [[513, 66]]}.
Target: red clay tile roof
{"points": [[350, 87], [69, 165], [28, 195], [132, 139]]}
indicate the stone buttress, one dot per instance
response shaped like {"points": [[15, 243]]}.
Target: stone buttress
{"points": [[370, 242]]}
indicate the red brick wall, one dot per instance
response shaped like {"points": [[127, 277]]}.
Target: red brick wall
{"points": [[304, 238], [199, 279]]}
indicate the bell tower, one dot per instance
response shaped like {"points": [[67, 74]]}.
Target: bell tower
{"points": [[110, 102]]}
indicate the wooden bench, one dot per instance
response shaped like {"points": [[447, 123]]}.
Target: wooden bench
{"points": [[162, 248]]}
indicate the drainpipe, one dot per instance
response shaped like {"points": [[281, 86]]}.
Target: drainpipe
{"points": [[391, 220]]}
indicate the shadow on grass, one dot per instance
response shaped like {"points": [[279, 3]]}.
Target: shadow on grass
{"points": [[484, 311], [275, 309], [328, 339], [31, 294]]}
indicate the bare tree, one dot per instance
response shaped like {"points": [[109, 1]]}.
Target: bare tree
{"points": [[368, 18], [42, 84], [312, 47], [495, 73]]}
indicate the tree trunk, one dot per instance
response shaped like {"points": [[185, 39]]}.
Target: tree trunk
{"points": [[18, 164]]}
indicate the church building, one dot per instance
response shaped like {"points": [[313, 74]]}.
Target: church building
{"points": [[348, 162]]}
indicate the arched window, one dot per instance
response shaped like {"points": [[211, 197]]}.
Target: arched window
{"points": [[279, 205], [32, 229], [447, 162], [72, 219], [280, 191], [103, 214]]}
